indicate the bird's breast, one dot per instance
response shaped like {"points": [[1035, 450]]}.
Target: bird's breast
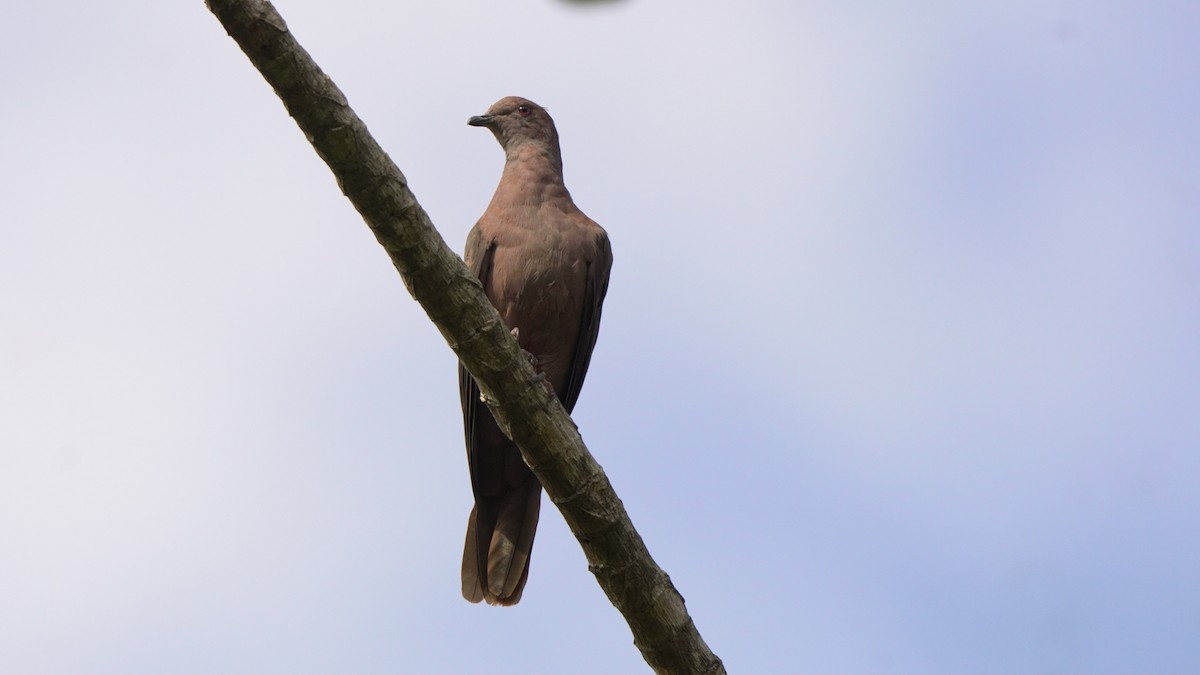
{"points": [[538, 282]]}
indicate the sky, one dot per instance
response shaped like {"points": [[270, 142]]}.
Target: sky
{"points": [[898, 371]]}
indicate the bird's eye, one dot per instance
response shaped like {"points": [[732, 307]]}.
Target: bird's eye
{"points": [[523, 109]]}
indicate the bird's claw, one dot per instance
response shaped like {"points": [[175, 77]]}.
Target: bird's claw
{"points": [[538, 375], [533, 360]]}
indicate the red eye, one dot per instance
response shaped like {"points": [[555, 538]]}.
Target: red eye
{"points": [[523, 109]]}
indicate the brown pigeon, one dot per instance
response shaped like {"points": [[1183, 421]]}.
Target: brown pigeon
{"points": [[544, 265]]}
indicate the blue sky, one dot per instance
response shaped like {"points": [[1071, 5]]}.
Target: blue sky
{"points": [[898, 370]]}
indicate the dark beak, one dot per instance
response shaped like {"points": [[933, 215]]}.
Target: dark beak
{"points": [[481, 121]]}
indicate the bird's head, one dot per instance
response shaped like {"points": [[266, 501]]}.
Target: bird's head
{"points": [[517, 121]]}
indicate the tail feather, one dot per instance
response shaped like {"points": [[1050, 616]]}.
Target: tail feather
{"points": [[472, 586], [505, 530]]}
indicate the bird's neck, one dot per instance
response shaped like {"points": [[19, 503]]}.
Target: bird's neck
{"points": [[532, 174]]}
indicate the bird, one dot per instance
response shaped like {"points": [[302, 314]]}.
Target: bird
{"points": [[544, 266]]}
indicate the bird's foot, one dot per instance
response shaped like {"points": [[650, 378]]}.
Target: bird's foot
{"points": [[533, 360], [538, 375]]}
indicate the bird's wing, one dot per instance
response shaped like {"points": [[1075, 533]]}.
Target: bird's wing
{"points": [[589, 321], [478, 255]]}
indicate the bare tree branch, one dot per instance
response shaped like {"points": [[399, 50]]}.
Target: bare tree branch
{"points": [[454, 300]]}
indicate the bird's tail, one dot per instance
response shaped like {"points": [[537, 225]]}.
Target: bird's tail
{"points": [[500, 534]]}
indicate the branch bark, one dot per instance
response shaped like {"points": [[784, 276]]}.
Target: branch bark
{"points": [[453, 298]]}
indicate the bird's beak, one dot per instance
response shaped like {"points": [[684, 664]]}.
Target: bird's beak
{"points": [[481, 120]]}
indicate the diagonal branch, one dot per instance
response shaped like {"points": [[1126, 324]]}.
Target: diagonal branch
{"points": [[454, 300]]}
